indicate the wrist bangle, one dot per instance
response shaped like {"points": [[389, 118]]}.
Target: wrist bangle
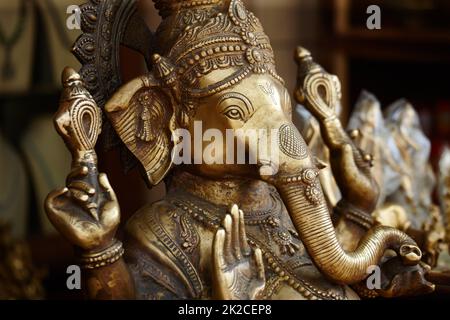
{"points": [[103, 258]]}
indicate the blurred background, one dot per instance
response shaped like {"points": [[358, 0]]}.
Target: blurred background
{"points": [[408, 58]]}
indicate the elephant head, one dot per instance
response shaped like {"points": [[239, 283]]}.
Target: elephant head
{"points": [[218, 70]]}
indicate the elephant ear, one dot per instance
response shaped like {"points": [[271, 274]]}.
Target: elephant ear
{"points": [[142, 115]]}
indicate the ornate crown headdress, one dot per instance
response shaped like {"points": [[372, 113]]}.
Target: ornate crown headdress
{"points": [[167, 7], [234, 39]]}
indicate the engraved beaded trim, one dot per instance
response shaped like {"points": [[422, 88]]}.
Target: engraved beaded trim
{"points": [[364, 292], [167, 7], [213, 221], [102, 258], [308, 177], [304, 288]]}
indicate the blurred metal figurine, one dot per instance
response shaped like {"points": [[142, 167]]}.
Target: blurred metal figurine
{"points": [[211, 62], [368, 130], [19, 278], [400, 166], [444, 189], [418, 183]]}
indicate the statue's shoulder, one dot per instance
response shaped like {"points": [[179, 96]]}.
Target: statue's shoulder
{"points": [[164, 233], [153, 221]]}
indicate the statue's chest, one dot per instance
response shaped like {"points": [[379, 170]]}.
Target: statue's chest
{"points": [[270, 229], [286, 260]]}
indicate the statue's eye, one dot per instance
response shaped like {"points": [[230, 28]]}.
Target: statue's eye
{"points": [[236, 106], [234, 113]]}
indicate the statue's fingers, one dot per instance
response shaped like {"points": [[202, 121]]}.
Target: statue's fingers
{"points": [[50, 201], [57, 193], [104, 183], [425, 266], [53, 206], [110, 215], [219, 247], [78, 172], [246, 250], [79, 195], [349, 166], [259, 264], [82, 186], [236, 243], [228, 249]]}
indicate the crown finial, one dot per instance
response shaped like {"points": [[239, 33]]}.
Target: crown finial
{"points": [[302, 53], [73, 85], [70, 77], [165, 72]]}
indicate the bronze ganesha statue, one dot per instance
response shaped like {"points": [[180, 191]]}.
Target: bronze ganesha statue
{"points": [[225, 229]]}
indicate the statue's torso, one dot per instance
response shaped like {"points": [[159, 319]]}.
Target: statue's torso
{"points": [[173, 239]]}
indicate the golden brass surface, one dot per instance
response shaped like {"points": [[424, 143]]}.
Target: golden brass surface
{"points": [[230, 231], [444, 190]]}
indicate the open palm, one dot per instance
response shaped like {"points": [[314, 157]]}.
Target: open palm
{"points": [[238, 272]]}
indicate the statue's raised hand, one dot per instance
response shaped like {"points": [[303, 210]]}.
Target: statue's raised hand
{"points": [[320, 93], [87, 215], [86, 211], [238, 273]]}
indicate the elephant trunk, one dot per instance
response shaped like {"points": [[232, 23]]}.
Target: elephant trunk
{"points": [[303, 198]]}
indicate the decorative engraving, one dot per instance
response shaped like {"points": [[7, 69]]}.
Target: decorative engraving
{"points": [[285, 273], [269, 220], [269, 90], [189, 234], [152, 116], [143, 126], [283, 238], [187, 267], [236, 39], [313, 191], [291, 142], [104, 24]]}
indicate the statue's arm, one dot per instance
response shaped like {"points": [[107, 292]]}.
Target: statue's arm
{"points": [[86, 211], [111, 282], [158, 269], [153, 279], [320, 93]]}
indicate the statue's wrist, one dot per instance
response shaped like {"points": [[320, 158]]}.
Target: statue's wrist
{"points": [[333, 132], [354, 214], [84, 158], [100, 257]]}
